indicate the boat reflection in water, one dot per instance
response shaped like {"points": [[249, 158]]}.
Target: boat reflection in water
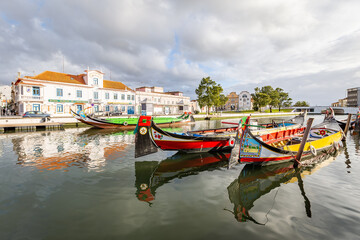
{"points": [[150, 175], [255, 181]]}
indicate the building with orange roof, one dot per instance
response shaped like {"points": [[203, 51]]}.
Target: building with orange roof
{"points": [[56, 93]]}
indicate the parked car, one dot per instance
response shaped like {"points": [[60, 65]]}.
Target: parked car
{"points": [[36, 114]]}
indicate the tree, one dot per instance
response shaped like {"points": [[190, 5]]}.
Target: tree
{"points": [[301, 104], [220, 101], [260, 98], [209, 94], [284, 99], [273, 94], [271, 97]]}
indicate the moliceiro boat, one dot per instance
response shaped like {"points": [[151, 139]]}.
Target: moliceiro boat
{"points": [[257, 129], [129, 123], [278, 147], [149, 138]]}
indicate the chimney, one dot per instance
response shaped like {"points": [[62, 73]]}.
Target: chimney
{"points": [[19, 74]]}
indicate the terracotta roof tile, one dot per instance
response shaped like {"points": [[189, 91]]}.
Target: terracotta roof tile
{"points": [[115, 85], [60, 77], [76, 79]]}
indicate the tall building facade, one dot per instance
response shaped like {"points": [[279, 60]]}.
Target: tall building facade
{"points": [[57, 93], [353, 97], [245, 101], [232, 103], [238, 102]]}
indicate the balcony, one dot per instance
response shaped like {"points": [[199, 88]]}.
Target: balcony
{"points": [[30, 98]]}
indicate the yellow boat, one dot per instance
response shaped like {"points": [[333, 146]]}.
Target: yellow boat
{"points": [[285, 145]]}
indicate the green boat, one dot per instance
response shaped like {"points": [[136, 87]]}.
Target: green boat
{"points": [[129, 123]]}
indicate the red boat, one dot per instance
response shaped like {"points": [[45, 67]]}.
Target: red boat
{"points": [[150, 137]]}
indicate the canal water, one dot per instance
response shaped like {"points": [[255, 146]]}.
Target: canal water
{"points": [[85, 183]]}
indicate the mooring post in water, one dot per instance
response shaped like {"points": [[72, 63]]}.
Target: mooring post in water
{"points": [[347, 124], [303, 142]]}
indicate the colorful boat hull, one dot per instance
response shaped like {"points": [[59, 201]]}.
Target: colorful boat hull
{"points": [[262, 151], [150, 136], [131, 122]]}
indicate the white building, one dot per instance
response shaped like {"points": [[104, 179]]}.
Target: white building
{"points": [[56, 93], [5, 95], [194, 106], [154, 101], [245, 101]]}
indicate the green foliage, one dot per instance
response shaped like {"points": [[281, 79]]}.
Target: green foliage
{"points": [[220, 100], [268, 96], [277, 110], [301, 104], [284, 99], [260, 98], [210, 94]]}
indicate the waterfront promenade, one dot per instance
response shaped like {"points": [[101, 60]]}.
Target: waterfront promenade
{"points": [[11, 123]]}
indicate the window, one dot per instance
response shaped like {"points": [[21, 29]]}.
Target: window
{"points": [[107, 108], [96, 81], [128, 97], [79, 93], [122, 96], [59, 108], [59, 92], [123, 108], [133, 98], [130, 110], [96, 107], [36, 107], [107, 95], [36, 91], [96, 95], [115, 95], [22, 90]]}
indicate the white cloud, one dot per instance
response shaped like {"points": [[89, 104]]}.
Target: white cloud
{"points": [[174, 44]]}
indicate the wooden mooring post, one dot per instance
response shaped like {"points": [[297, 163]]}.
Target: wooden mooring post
{"points": [[303, 142], [347, 126]]}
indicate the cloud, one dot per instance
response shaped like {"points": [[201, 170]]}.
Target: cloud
{"points": [[174, 44]]}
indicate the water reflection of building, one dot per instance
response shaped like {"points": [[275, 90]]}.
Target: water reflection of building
{"points": [[255, 181], [73, 147], [150, 175]]}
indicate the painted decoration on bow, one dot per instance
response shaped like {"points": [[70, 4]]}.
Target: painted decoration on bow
{"points": [[250, 147], [157, 135], [320, 133]]}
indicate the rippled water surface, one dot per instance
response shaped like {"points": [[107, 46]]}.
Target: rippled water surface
{"points": [[85, 184]]}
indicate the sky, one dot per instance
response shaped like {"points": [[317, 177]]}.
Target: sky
{"points": [[311, 49]]}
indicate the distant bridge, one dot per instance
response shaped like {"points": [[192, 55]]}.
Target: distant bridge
{"points": [[322, 109]]}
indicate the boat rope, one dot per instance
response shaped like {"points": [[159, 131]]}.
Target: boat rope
{"points": [[266, 215]]}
